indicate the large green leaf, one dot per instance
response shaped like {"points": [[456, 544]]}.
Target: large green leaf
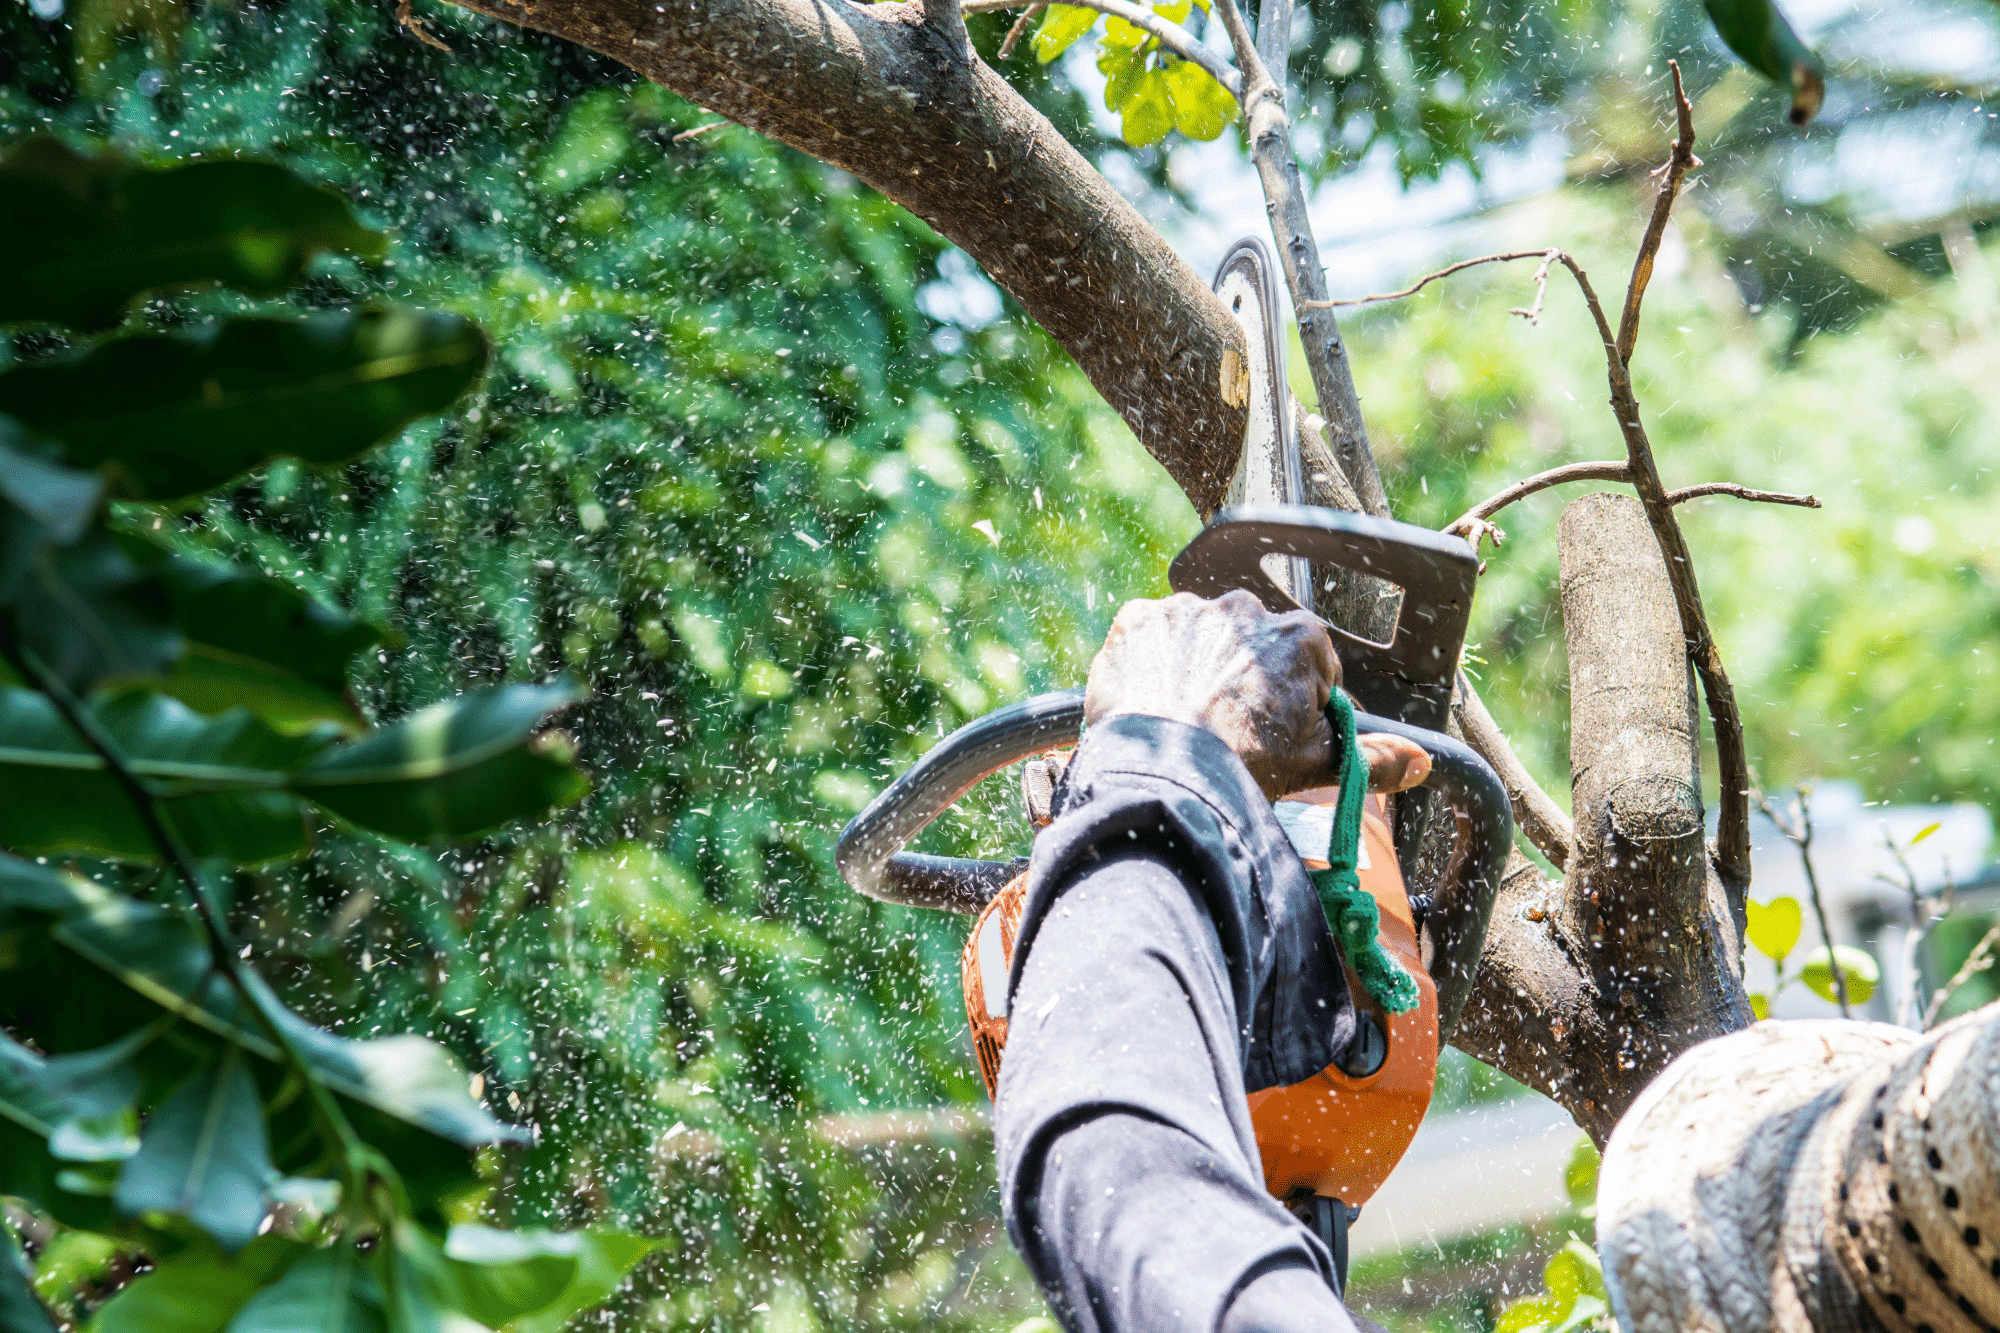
{"points": [[20, 1312], [605, 1256], [256, 643], [174, 416], [84, 236], [1758, 33], [231, 770], [205, 1155], [157, 955], [451, 770], [328, 1291], [197, 1291]]}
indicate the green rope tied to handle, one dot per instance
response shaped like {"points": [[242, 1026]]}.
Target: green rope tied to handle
{"points": [[1351, 911]]}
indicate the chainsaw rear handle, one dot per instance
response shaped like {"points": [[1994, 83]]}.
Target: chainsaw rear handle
{"points": [[871, 858]]}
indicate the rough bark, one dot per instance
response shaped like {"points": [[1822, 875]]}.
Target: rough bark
{"points": [[1837, 1177], [1592, 985], [876, 91]]}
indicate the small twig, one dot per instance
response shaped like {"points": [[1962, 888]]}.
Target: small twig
{"points": [[1979, 960], [1544, 255], [1480, 515], [700, 130], [409, 20], [1015, 33], [1172, 35], [1801, 836], [1547, 827], [1677, 167], [1533, 313]]}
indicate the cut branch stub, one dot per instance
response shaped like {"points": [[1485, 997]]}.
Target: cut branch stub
{"points": [[1589, 987]]}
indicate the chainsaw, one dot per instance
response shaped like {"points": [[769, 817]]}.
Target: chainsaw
{"points": [[1328, 1143]]}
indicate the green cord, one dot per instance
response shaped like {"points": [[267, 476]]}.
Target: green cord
{"points": [[1351, 911]]}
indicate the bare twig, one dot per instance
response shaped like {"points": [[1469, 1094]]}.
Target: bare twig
{"points": [[1172, 35], [1800, 832], [1979, 960], [1544, 255], [1730, 488], [406, 17], [1020, 28], [1547, 827], [1270, 134], [1479, 515], [699, 130], [1926, 910], [1732, 839]]}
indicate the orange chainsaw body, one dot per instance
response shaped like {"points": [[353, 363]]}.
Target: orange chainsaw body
{"points": [[1334, 1134]]}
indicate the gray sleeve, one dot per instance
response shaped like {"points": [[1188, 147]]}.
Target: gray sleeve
{"points": [[1170, 941]]}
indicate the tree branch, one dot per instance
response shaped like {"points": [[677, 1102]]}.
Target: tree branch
{"points": [[1732, 840], [1800, 835], [944, 18], [1535, 811], [870, 90], [1611, 470], [1015, 33], [1172, 35], [1285, 199]]}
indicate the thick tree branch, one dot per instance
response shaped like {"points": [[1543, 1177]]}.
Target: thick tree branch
{"points": [[1172, 35], [873, 90], [1270, 136], [1591, 986], [945, 18]]}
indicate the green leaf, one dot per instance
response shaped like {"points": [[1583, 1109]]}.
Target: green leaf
{"points": [[1149, 110], [502, 1275], [451, 770], [32, 479], [97, 1091], [1760, 1005], [222, 777], [606, 1256], [1528, 1314], [20, 1312], [1122, 68], [1926, 832], [156, 954], [175, 416], [72, 1258], [1857, 965], [204, 1155], [1774, 926], [1203, 108], [1580, 1174], [1760, 35], [84, 236], [1062, 26], [327, 1291], [257, 643], [197, 1291]]}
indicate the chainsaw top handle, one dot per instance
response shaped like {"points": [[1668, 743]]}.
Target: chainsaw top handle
{"points": [[1410, 677], [872, 861]]}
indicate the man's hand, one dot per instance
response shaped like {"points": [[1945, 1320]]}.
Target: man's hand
{"points": [[1257, 679]]}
